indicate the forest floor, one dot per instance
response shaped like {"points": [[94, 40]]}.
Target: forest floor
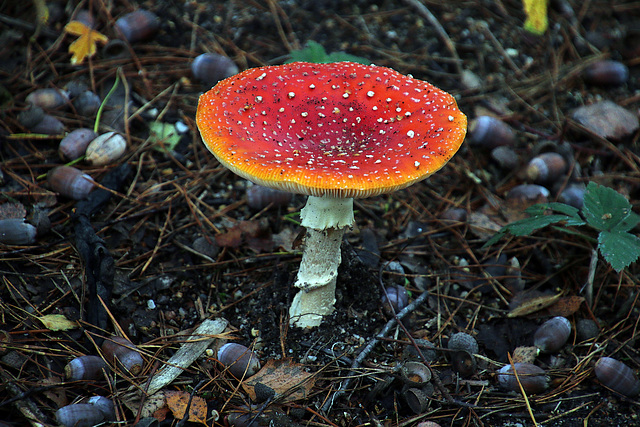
{"points": [[171, 238]]}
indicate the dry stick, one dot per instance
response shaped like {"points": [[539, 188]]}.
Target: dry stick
{"points": [[365, 352], [444, 37]]}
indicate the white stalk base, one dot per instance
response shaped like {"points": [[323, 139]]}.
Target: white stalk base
{"points": [[320, 260]]}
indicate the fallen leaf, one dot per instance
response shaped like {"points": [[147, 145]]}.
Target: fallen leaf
{"points": [[288, 379], [12, 210], [565, 306], [536, 11], [85, 46], [177, 401], [57, 322], [523, 305]]}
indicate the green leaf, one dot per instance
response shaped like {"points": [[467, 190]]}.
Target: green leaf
{"points": [[314, 52], [620, 249], [164, 136], [605, 209], [525, 227]]}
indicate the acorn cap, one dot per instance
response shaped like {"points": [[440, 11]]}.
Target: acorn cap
{"points": [[340, 130]]}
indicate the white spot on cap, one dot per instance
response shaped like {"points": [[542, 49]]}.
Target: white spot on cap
{"points": [[304, 114], [416, 164], [411, 134], [370, 94], [450, 118], [312, 86], [261, 76], [258, 98], [291, 95], [345, 95]]}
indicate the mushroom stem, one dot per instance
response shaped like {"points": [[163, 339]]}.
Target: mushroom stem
{"points": [[325, 219]]}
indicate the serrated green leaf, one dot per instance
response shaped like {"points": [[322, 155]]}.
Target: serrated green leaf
{"points": [[604, 208], [525, 227], [619, 249], [315, 52], [627, 224], [164, 136], [494, 239]]}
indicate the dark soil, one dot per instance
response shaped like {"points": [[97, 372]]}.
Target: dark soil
{"points": [[175, 242]]}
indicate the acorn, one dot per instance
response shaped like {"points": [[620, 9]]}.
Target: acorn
{"points": [[617, 376], [138, 26], [14, 231], [546, 168], [573, 195], [105, 406], [586, 329], [240, 360], [31, 116], [395, 299], [116, 49], [463, 341], [552, 335], [417, 400], [48, 98], [49, 125], [606, 73], [528, 194], [260, 197], [74, 145], [122, 351], [490, 132], [505, 157], [210, 68], [428, 424], [70, 182], [87, 103], [415, 374], [79, 415], [106, 149], [533, 378], [85, 368]]}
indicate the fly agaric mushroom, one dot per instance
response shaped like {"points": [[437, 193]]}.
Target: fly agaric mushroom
{"points": [[334, 132]]}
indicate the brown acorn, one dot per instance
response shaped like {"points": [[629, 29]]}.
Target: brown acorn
{"points": [[70, 182], [552, 335], [74, 145], [138, 26], [105, 406], [617, 376], [546, 168], [528, 194], [49, 125], [85, 368], [121, 351], [239, 360], [106, 149], [505, 157], [14, 231], [490, 132], [260, 197], [210, 68], [463, 341], [606, 73], [79, 415], [533, 378], [87, 103], [48, 98]]}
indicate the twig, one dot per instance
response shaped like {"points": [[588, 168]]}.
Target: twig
{"points": [[365, 352], [444, 37]]}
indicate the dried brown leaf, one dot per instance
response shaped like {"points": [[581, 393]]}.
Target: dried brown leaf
{"points": [[287, 378]]}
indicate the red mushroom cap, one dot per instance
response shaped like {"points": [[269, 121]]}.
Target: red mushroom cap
{"points": [[337, 130]]}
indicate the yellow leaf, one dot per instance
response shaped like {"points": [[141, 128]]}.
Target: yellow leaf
{"points": [[86, 44], [57, 322], [536, 11], [177, 401]]}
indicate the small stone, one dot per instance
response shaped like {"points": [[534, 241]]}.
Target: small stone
{"points": [[607, 120]]}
